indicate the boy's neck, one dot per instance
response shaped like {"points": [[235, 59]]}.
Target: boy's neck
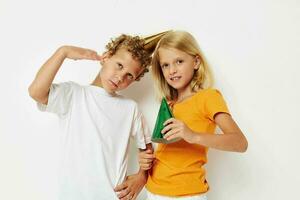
{"points": [[97, 81]]}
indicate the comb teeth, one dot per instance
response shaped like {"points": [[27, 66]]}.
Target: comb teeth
{"points": [[152, 40]]}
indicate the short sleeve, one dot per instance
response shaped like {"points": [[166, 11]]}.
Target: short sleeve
{"points": [[214, 103], [140, 131], [59, 99]]}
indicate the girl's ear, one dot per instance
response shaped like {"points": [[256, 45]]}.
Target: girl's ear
{"points": [[197, 62]]}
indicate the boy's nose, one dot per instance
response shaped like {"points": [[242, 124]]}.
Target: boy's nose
{"points": [[119, 78]]}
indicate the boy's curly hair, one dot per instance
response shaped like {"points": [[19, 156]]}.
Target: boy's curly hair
{"points": [[135, 45]]}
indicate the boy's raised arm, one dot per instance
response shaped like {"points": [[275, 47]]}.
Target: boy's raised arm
{"points": [[39, 88]]}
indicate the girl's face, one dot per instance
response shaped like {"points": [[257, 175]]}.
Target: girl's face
{"points": [[177, 67]]}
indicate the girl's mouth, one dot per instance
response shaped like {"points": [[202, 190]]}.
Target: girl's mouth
{"points": [[175, 78]]}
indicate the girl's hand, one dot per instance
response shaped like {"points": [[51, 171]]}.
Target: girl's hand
{"points": [[78, 53], [177, 129], [146, 159]]}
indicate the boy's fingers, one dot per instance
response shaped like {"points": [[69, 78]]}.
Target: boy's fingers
{"points": [[120, 187], [124, 193], [98, 57], [129, 197]]}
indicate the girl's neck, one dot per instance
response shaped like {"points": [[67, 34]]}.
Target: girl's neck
{"points": [[182, 95]]}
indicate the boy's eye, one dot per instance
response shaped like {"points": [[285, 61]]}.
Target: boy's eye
{"points": [[120, 66], [130, 77]]}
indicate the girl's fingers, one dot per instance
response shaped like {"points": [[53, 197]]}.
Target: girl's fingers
{"points": [[169, 127], [145, 161], [172, 137], [168, 135], [146, 166], [168, 121], [147, 156]]}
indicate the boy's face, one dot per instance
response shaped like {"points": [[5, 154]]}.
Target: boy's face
{"points": [[119, 70]]}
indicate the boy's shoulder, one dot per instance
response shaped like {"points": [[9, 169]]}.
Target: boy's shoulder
{"points": [[128, 101], [67, 84]]}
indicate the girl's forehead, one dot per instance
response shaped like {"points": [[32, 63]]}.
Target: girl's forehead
{"points": [[165, 52]]}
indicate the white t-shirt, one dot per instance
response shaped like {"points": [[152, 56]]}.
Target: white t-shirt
{"points": [[96, 130]]}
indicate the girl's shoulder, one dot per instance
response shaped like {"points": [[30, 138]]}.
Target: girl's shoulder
{"points": [[208, 92]]}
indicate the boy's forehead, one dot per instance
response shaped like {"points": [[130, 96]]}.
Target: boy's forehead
{"points": [[126, 58]]}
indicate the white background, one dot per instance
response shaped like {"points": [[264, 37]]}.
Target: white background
{"points": [[253, 47]]}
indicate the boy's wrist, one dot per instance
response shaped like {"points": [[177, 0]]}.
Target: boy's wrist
{"points": [[62, 51], [143, 174]]}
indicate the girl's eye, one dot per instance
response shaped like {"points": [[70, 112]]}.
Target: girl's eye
{"points": [[179, 61], [164, 65]]}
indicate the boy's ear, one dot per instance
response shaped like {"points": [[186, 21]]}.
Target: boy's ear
{"points": [[197, 62], [105, 56]]}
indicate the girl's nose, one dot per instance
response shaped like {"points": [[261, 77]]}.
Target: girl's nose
{"points": [[173, 69]]}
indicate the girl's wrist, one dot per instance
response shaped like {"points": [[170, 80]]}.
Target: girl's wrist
{"points": [[197, 138]]}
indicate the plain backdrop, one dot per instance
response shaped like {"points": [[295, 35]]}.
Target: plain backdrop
{"points": [[253, 47]]}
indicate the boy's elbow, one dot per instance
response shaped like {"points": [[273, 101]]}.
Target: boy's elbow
{"points": [[32, 92], [35, 94]]}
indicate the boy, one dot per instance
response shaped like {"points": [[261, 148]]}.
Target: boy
{"points": [[97, 122]]}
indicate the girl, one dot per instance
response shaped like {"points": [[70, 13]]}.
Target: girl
{"points": [[183, 77]]}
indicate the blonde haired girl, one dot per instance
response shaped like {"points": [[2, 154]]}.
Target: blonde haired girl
{"points": [[182, 75]]}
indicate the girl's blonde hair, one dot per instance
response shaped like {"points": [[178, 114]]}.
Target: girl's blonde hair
{"points": [[185, 42]]}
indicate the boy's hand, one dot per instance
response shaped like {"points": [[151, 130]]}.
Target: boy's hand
{"points": [[132, 186], [146, 159], [78, 53]]}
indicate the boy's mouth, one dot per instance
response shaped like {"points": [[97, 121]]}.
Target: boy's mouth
{"points": [[113, 84]]}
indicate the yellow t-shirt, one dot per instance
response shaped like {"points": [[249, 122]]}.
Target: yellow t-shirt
{"points": [[178, 168]]}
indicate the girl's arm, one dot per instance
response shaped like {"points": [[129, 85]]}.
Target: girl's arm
{"points": [[232, 138], [39, 88]]}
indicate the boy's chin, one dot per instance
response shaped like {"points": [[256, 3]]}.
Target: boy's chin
{"points": [[109, 90]]}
